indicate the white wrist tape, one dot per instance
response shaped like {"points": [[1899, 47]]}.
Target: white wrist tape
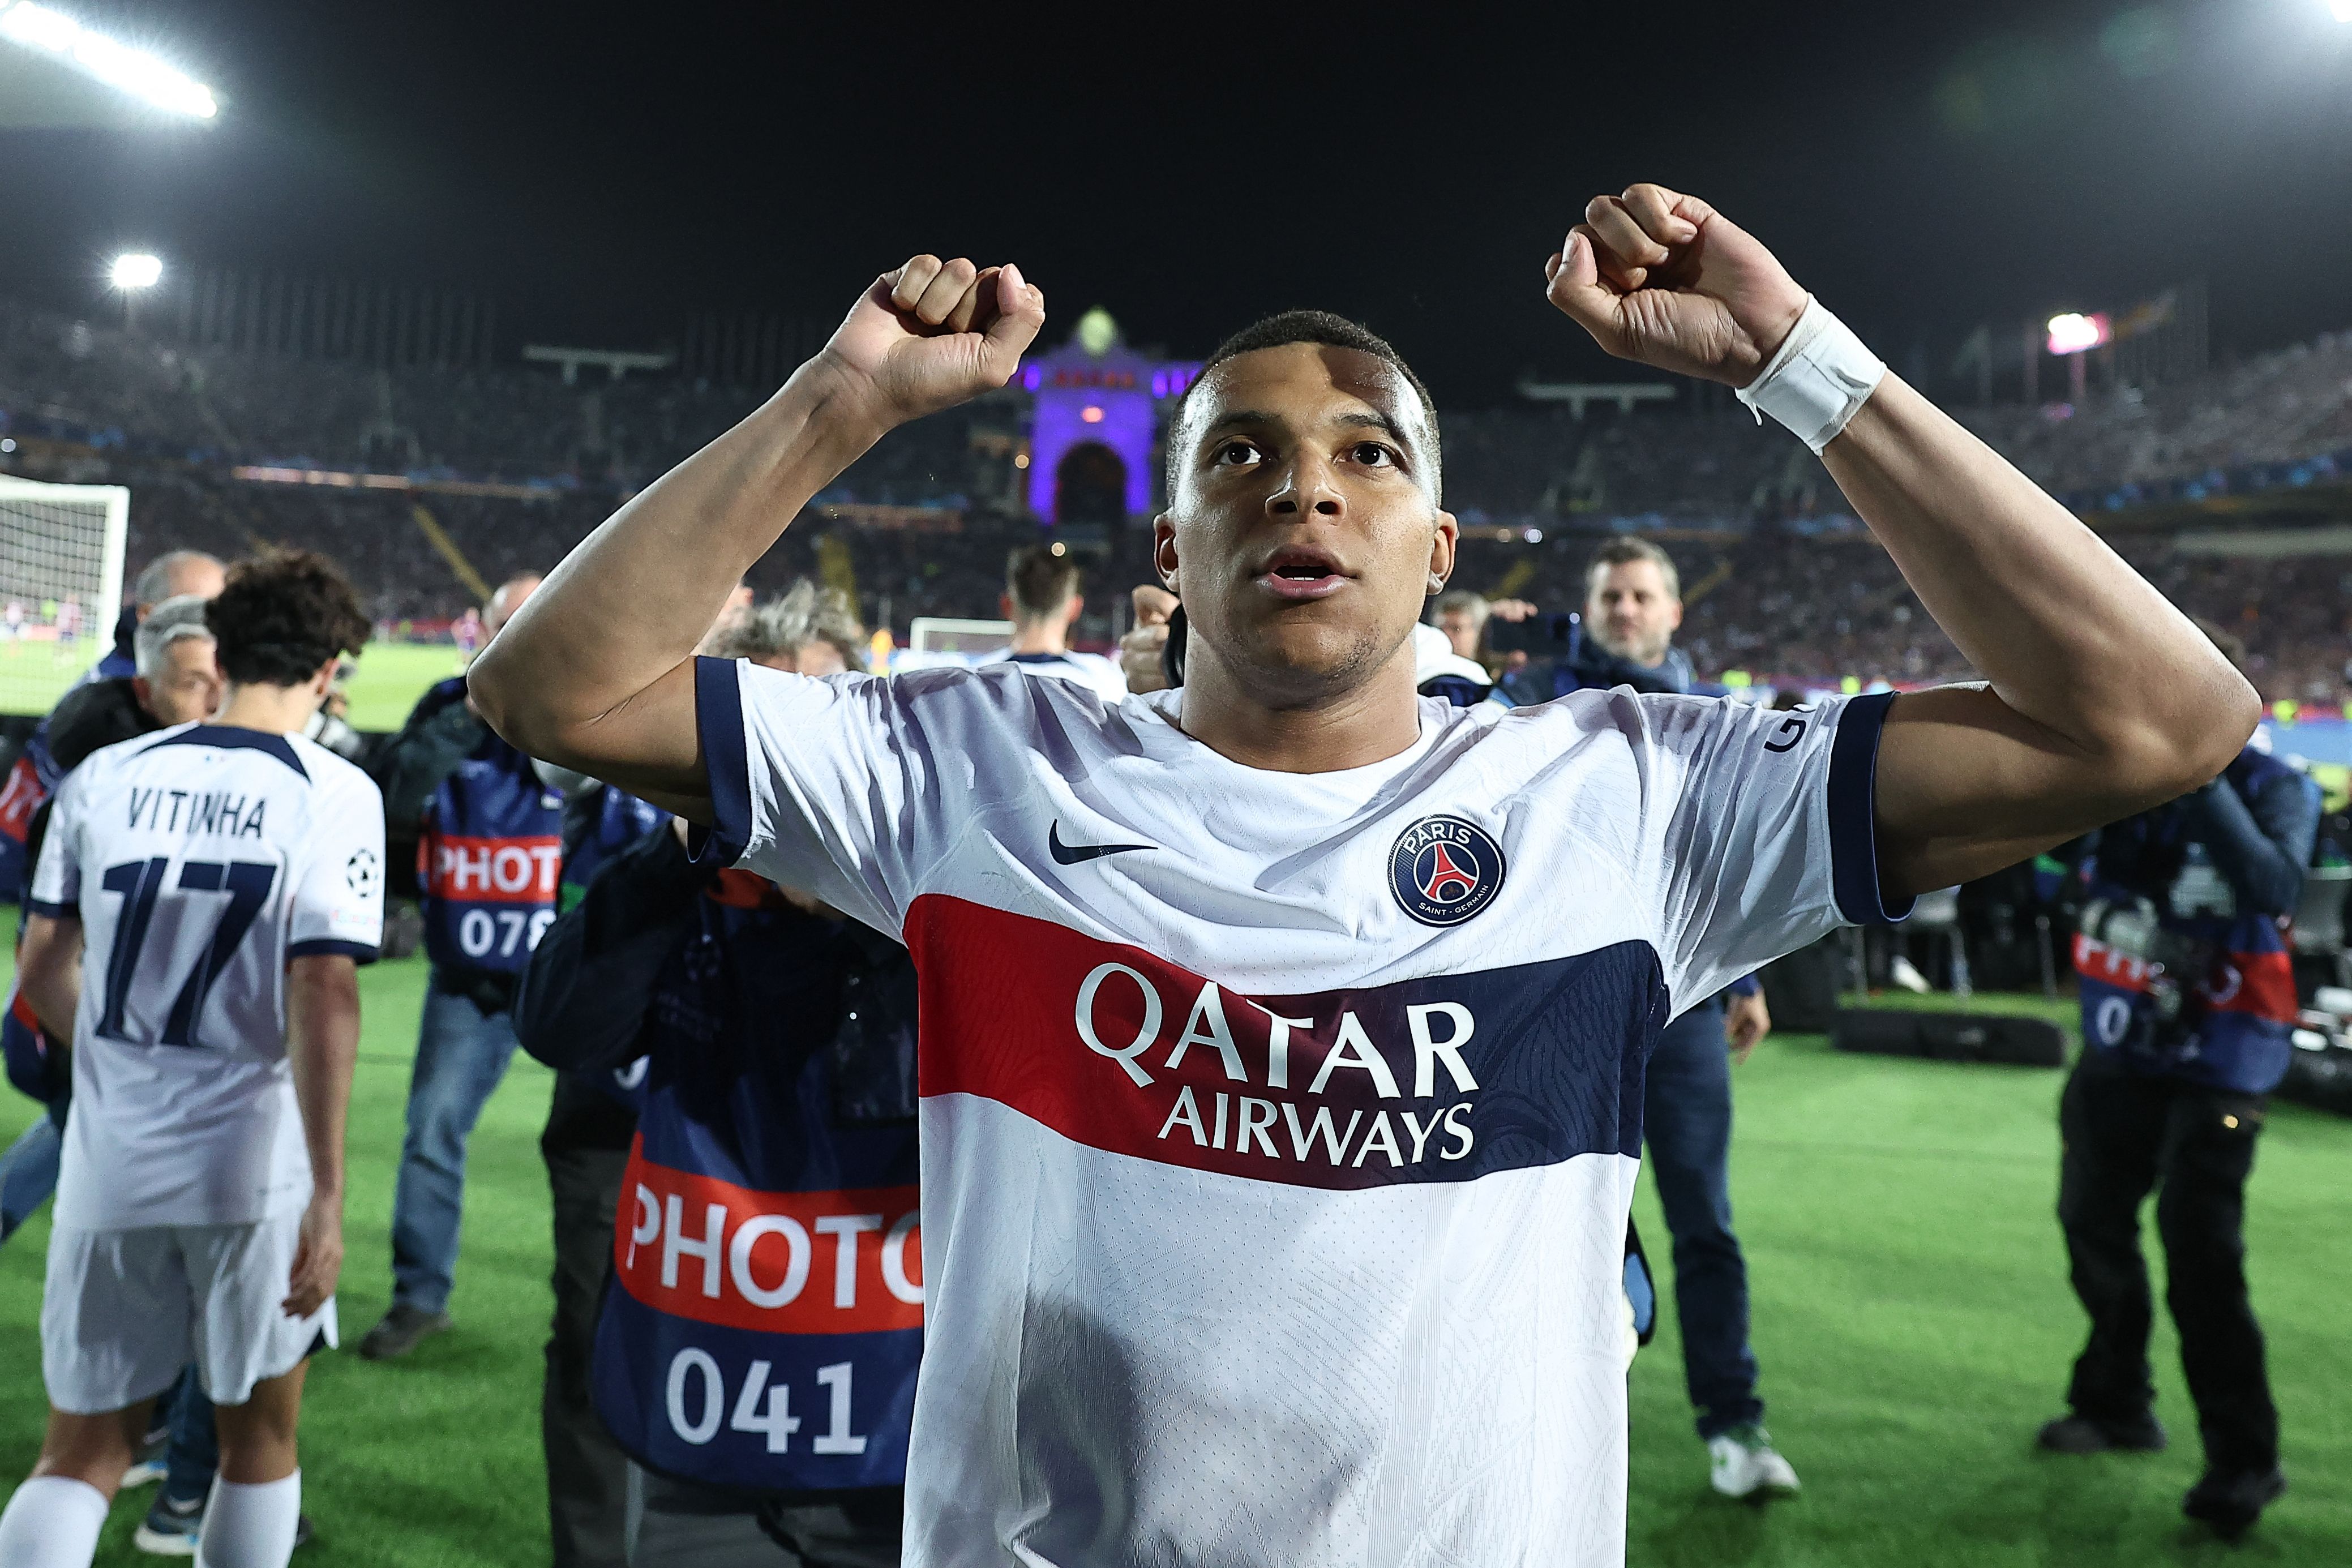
{"points": [[1819, 379]]}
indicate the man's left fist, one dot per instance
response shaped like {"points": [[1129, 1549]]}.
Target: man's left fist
{"points": [[1665, 279]]}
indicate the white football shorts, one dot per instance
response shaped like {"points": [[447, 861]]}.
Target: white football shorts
{"points": [[123, 1310]]}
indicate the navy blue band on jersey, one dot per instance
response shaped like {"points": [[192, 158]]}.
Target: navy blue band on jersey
{"points": [[727, 764], [1854, 814], [230, 737], [54, 911], [327, 947]]}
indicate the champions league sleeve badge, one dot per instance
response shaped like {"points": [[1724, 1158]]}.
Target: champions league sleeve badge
{"points": [[1444, 870]]}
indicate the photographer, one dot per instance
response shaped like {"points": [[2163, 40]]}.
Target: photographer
{"points": [[1632, 607], [716, 1033], [2188, 1001]]}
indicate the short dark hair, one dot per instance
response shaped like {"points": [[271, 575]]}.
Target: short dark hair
{"points": [[282, 615], [1626, 549], [1039, 581], [1290, 327]]}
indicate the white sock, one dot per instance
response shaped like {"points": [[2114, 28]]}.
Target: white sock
{"points": [[52, 1522], [249, 1526]]}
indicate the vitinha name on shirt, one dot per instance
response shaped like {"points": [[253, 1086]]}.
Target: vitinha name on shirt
{"points": [[198, 811], [1352, 1073]]}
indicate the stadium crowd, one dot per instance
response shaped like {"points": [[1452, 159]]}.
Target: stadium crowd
{"points": [[1784, 584]]}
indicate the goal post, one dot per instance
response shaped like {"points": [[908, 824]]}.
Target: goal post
{"points": [[947, 634], [60, 585]]}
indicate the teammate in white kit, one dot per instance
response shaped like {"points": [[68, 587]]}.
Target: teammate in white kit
{"points": [[1283, 1036], [1040, 594], [199, 908]]}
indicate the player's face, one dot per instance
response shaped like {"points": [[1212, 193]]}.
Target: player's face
{"points": [[188, 687], [1632, 611], [1305, 528]]}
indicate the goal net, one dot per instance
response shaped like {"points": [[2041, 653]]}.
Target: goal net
{"points": [[60, 585]]}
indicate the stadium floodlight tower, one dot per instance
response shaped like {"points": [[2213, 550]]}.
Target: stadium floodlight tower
{"points": [[133, 273], [109, 60], [134, 270]]}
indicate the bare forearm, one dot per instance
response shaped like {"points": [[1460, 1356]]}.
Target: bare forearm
{"points": [[322, 1038], [625, 610], [2071, 639], [48, 968]]}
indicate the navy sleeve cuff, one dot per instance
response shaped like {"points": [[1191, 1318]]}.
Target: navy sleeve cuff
{"points": [[327, 947], [1746, 986], [1853, 812], [54, 911], [727, 764]]}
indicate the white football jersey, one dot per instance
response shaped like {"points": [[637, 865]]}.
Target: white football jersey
{"points": [[199, 861], [1279, 1130], [1102, 675]]}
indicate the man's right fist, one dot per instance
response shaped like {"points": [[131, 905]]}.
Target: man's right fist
{"points": [[1139, 650], [933, 334]]}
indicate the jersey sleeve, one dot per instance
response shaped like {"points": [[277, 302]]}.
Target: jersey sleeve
{"points": [[338, 906], [848, 787], [56, 878], [1762, 831]]}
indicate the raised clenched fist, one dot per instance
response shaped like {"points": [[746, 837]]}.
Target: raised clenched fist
{"points": [[933, 334], [1664, 278], [1139, 651]]}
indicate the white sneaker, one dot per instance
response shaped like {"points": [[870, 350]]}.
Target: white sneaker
{"points": [[1905, 973], [1742, 1462]]}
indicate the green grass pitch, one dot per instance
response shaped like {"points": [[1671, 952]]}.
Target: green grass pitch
{"points": [[391, 675], [1911, 1315]]}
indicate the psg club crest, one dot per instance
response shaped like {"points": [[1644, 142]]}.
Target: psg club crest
{"points": [[1444, 870]]}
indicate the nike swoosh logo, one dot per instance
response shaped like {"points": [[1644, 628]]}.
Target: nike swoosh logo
{"points": [[1071, 854]]}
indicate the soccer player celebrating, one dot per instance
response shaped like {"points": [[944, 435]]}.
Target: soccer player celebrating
{"points": [[199, 905], [1283, 1035]]}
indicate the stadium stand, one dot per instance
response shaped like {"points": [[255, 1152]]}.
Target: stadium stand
{"points": [[513, 467]]}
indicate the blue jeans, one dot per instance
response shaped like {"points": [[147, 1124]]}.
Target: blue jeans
{"points": [[1687, 1119], [460, 1057], [28, 1173], [195, 1452]]}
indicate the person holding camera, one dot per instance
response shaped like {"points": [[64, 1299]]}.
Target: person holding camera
{"points": [[2188, 1001]]}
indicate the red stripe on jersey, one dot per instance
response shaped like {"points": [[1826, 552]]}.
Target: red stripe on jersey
{"points": [[780, 1263], [522, 869], [1441, 1079]]}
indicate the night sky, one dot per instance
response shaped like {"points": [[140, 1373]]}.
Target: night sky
{"points": [[600, 172]]}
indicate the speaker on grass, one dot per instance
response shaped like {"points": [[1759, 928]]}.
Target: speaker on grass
{"points": [[1950, 1037], [2320, 1079]]}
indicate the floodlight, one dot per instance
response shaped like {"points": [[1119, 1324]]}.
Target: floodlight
{"points": [[2341, 8], [135, 269], [94, 54], [2071, 333]]}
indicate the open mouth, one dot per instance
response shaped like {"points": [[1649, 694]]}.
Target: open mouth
{"points": [[1301, 572]]}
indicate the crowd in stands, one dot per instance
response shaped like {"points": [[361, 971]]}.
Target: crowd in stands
{"points": [[1780, 582]]}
